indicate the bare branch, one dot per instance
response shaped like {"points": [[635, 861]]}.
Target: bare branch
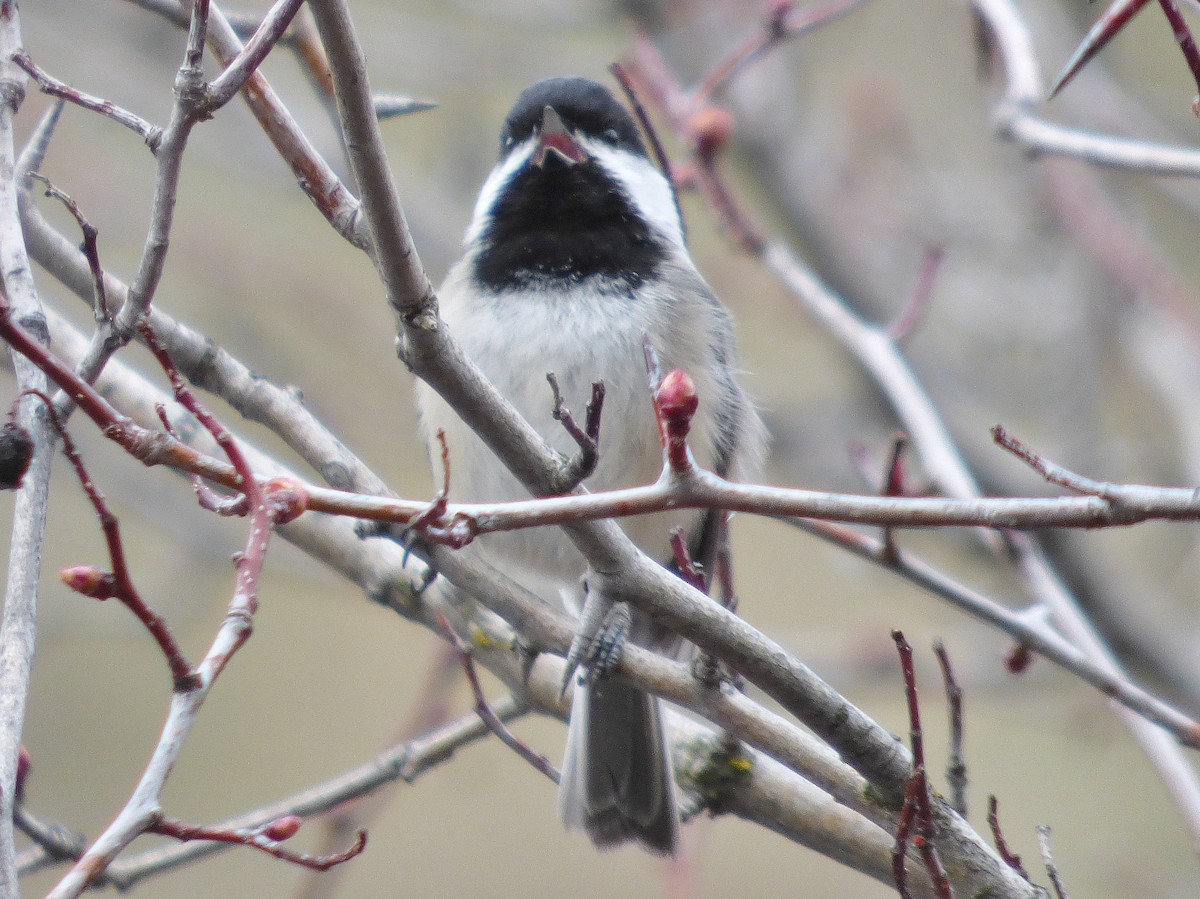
{"points": [[18, 621], [151, 134]]}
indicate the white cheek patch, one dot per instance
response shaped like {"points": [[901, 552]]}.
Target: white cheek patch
{"points": [[645, 186], [490, 191], [643, 183]]}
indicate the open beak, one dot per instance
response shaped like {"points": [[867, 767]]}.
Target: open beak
{"points": [[556, 140]]}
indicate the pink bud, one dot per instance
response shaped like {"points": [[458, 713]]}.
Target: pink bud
{"points": [[90, 581], [710, 129], [24, 766], [282, 828], [677, 402], [677, 398]]}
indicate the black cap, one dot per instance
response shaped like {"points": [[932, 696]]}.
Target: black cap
{"points": [[585, 107]]}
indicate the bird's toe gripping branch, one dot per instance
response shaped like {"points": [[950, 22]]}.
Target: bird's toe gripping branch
{"points": [[598, 646]]}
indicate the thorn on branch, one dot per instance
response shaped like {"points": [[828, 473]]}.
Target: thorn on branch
{"points": [[391, 106], [1114, 18], [893, 486]]}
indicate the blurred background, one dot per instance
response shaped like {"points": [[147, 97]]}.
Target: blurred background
{"points": [[1065, 308]]}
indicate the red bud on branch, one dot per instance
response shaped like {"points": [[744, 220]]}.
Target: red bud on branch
{"points": [[90, 581], [282, 828], [677, 402]]}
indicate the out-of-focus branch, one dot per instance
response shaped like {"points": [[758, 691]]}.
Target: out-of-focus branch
{"points": [[1017, 116]]}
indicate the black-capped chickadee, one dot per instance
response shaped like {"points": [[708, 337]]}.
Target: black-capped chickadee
{"points": [[574, 257]]}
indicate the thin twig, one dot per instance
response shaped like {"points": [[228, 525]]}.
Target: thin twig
{"points": [[18, 620], [151, 134], [956, 766], [488, 715], [1010, 858], [926, 836], [117, 584], [265, 838], [1043, 834]]}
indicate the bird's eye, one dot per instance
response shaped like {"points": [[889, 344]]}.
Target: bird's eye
{"points": [[611, 135], [508, 141]]}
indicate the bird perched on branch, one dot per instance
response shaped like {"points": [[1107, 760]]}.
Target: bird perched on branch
{"points": [[575, 259]]}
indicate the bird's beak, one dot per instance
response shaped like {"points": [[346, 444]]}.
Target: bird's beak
{"points": [[556, 140]]}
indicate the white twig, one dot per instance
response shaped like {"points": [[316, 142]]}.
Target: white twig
{"points": [[17, 626], [1018, 117]]}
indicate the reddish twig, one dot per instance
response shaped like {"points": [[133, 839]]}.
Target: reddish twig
{"points": [[782, 22], [265, 839], [926, 829], [893, 485], [91, 250], [956, 766], [208, 498], [1010, 858], [905, 323], [1112, 21], [704, 128], [684, 563], [723, 565], [487, 715], [430, 523], [118, 583], [1187, 43], [903, 831]]}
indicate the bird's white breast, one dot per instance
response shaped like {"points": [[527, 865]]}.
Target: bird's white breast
{"points": [[582, 335]]}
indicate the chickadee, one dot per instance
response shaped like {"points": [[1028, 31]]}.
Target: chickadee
{"points": [[574, 257]]}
